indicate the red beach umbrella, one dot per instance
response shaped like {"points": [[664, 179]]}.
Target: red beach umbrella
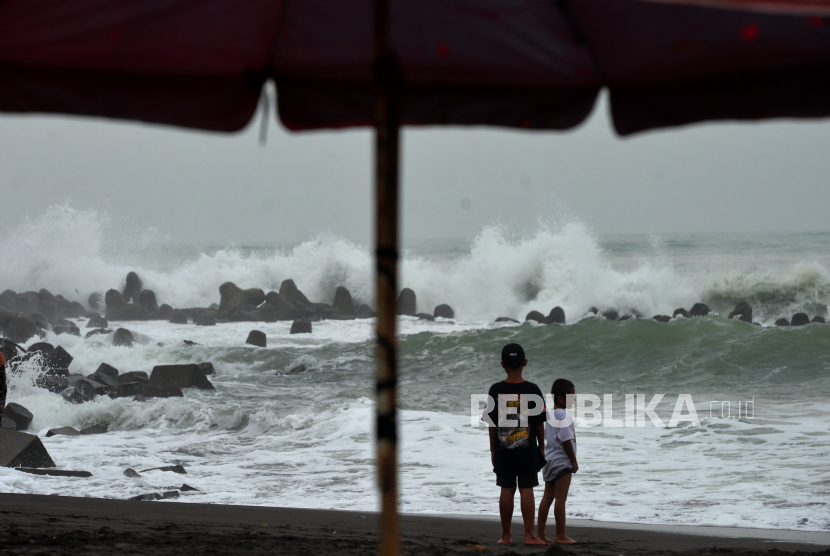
{"points": [[534, 64]]}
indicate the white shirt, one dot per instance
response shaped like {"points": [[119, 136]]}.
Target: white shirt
{"points": [[559, 428]]}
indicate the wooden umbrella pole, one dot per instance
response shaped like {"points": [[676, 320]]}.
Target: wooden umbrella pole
{"points": [[387, 143]]}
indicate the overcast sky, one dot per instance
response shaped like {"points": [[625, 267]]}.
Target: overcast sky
{"points": [[204, 187]]}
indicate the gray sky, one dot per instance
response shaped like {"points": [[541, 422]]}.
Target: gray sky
{"points": [[202, 187]]}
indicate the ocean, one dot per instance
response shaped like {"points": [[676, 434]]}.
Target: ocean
{"points": [[266, 437]]}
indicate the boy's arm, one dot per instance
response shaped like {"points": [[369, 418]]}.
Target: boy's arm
{"points": [[493, 440], [540, 434], [568, 446]]}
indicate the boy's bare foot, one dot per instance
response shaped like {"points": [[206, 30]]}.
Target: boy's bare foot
{"points": [[505, 539], [534, 540], [545, 538], [564, 540]]}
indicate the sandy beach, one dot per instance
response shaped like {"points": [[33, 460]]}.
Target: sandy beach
{"points": [[36, 524]]}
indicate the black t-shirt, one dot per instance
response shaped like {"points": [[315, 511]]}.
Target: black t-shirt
{"points": [[517, 448]]}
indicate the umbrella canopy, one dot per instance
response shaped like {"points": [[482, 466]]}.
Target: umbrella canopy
{"points": [[535, 64]]}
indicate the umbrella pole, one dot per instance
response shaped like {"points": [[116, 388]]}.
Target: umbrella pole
{"points": [[387, 144]]}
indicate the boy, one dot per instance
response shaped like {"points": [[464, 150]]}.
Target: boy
{"points": [[560, 454], [514, 450]]}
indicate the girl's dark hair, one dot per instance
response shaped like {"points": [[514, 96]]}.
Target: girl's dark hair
{"points": [[561, 387]]}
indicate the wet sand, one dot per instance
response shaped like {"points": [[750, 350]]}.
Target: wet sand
{"points": [[35, 524]]}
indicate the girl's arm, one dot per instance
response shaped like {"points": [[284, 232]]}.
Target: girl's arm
{"points": [[569, 450]]}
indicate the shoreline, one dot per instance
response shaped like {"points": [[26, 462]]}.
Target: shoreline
{"points": [[67, 525]]}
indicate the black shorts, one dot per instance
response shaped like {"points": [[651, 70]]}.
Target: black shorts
{"points": [[524, 481]]}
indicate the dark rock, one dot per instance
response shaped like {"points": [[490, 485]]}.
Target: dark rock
{"points": [[682, 312], [78, 310], [285, 310], [63, 431], [661, 318], [444, 311], [407, 303], [97, 321], [7, 300], [16, 417], [45, 350], [301, 326], [782, 322], [205, 320], [536, 316], [103, 376], [343, 300], [52, 382], [164, 311], [20, 330], [179, 376], [169, 494], [133, 376], [365, 312], [81, 394], [95, 429], [153, 392], [800, 319], [743, 311], [818, 319], [247, 308], [97, 331], [123, 337], [84, 383], [699, 310], [188, 488], [246, 316], [611, 315], [39, 320], [177, 317], [6, 317], [55, 472], [130, 472], [48, 310], [27, 303], [94, 301], [132, 290], [506, 319], [64, 326], [170, 468], [119, 309], [66, 314], [292, 294], [206, 368], [233, 297], [147, 299], [59, 358], [128, 389], [556, 316], [256, 338], [593, 310], [188, 343], [425, 316], [268, 313], [18, 449], [105, 369]]}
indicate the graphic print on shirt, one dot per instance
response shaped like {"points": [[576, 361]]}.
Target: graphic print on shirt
{"points": [[511, 438]]}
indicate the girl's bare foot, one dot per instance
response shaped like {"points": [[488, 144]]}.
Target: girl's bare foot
{"points": [[546, 539], [505, 539], [534, 540], [564, 540]]}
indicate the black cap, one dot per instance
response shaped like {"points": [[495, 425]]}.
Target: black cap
{"points": [[513, 356]]}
